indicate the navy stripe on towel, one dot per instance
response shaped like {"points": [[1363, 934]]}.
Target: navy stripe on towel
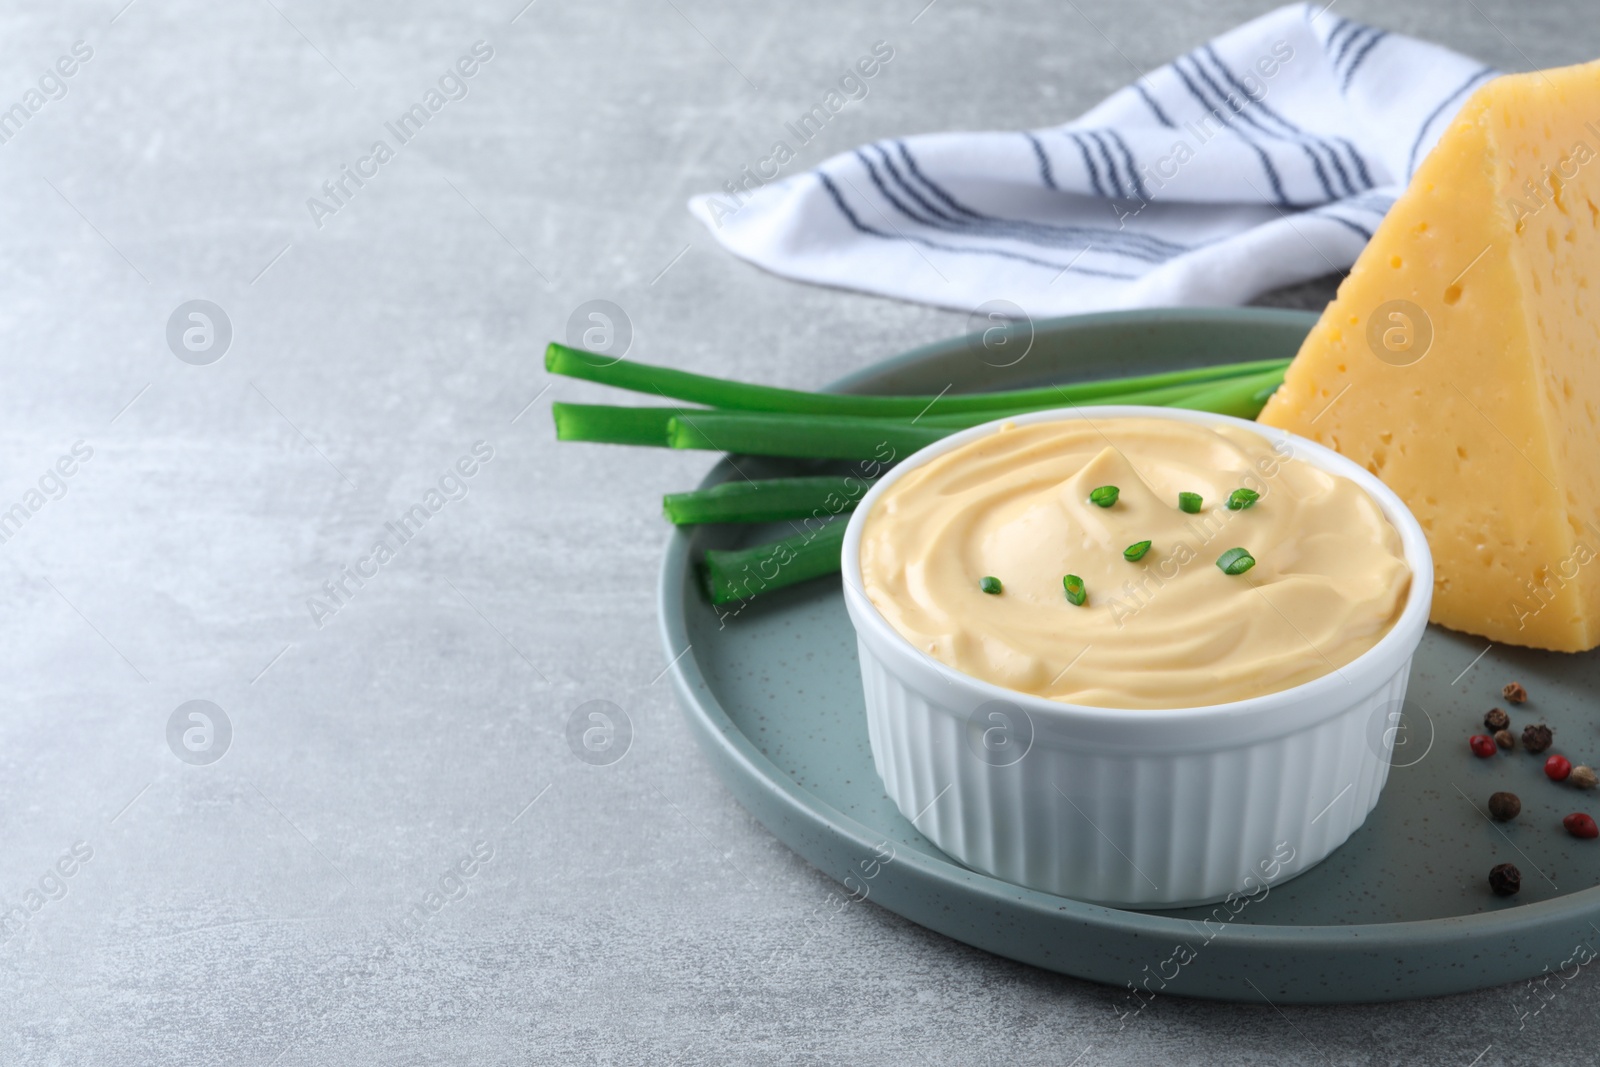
{"points": [[1044, 233], [1088, 165], [861, 227], [1361, 54], [1266, 164], [1045, 174]]}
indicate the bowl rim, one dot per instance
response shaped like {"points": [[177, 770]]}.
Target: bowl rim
{"points": [[1322, 691]]}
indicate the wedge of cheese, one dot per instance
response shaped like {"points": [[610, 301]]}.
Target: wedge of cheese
{"points": [[1460, 361]]}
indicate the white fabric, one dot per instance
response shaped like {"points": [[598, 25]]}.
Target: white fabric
{"points": [[1261, 159]]}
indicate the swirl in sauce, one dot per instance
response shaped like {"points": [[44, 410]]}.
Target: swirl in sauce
{"points": [[1169, 631]]}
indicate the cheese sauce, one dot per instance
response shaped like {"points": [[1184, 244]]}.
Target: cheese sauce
{"points": [[1170, 630]]}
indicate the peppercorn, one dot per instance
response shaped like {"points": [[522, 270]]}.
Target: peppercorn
{"points": [[1536, 738], [1504, 739], [1580, 825], [1482, 747], [1556, 768], [1514, 693], [1505, 879], [1504, 806], [1584, 777], [1497, 719]]}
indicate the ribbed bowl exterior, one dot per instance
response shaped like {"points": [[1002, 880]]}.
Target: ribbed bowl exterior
{"points": [[1152, 829], [1136, 808]]}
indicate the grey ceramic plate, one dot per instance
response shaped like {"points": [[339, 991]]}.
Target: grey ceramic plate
{"points": [[1401, 910]]}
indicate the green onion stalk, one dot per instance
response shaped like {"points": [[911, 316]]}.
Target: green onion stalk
{"points": [[738, 574], [766, 500], [672, 384]]}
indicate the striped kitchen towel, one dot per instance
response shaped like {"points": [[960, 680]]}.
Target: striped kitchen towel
{"points": [[1259, 160]]}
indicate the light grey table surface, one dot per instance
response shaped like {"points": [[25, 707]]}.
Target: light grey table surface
{"points": [[252, 911]]}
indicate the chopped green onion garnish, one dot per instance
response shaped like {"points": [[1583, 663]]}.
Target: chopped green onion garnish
{"points": [[991, 584], [1075, 590], [1240, 499], [1236, 561], [1104, 496], [1135, 552], [1189, 502]]}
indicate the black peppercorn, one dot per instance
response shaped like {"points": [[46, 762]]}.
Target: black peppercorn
{"points": [[1514, 693], [1536, 738], [1504, 806], [1505, 879], [1496, 719]]}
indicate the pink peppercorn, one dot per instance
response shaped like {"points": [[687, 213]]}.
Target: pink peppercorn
{"points": [[1580, 825]]}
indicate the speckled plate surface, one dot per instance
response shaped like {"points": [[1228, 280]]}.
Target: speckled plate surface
{"points": [[1401, 910]]}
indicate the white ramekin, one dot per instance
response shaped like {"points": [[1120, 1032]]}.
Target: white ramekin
{"points": [[1136, 808]]}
